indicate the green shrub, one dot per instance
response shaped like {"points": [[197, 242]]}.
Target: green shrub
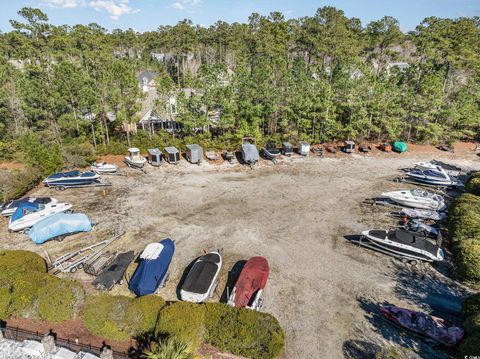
{"points": [[473, 184], [472, 324], [17, 183], [468, 259], [22, 260], [471, 306], [142, 313], [470, 346], [184, 322], [113, 148], [464, 218], [104, 316], [46, 158], [243, 331], [58, 299], [79, 154], [5, 301]]}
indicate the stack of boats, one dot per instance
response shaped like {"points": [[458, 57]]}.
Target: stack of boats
{"points": [[433, 174], [420, 239]]}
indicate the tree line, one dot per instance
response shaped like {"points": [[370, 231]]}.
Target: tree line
{"points": [[316, 78]]}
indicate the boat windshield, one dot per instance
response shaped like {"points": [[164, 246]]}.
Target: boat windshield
{"points": [[419, 193]]}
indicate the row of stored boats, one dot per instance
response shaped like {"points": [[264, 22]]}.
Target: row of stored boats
{"points": [[202, 278], [419, 240]]}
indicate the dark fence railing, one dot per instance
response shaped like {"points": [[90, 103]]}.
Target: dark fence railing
{"points": [[19, 334]]}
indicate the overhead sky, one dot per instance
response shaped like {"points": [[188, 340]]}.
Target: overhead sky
{"points": [[142, 15]]}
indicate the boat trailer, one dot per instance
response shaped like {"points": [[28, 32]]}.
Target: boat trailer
{"points": [[97, 184], [72, 261]]}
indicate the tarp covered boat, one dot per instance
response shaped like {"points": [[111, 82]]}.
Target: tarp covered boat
{"points": [[114, 272], [202, 278], [59, 225], [399, 146], [423, 324], [152, 270], [422, 214], [249, 151], [248, 290]]}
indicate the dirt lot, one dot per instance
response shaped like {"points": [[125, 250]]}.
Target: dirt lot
{"points": [[324, 290]]}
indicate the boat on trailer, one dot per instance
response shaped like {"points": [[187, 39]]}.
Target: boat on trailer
{"points": [[9, 208], [402, 243], [71, 179], [416, 198], [103, 168], [152, 272], [248, 290], [134, 159], [437, 177], [27, 214], [423, 324], [201, 280], [271, 152]]}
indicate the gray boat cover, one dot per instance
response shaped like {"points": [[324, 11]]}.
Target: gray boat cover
{"points": [[202, 274], [250, 152], [423, 214], [114, 272]]}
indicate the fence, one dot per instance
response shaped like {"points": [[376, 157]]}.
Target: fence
{"points": [[18, 334]]}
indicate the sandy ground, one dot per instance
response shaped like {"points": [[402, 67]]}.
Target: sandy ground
{"points": [[325, 291]]}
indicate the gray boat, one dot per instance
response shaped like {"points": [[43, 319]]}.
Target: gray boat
{"points": [[249, 151]]}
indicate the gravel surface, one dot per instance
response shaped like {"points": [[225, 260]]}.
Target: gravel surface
{"points": [[325, 291]]}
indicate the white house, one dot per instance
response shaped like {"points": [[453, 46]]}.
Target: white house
{"points": [[146, 80]]}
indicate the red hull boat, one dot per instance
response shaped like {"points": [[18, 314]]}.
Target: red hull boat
{"points": [[248, 291], [423, 324]]}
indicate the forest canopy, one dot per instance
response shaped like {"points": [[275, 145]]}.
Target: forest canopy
{"points": [[316, 78]]}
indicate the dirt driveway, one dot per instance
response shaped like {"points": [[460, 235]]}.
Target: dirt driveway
{"points": [[324, 290]]}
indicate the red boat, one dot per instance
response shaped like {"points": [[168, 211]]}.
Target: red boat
{"points": [[424, 325], [248, 290]]}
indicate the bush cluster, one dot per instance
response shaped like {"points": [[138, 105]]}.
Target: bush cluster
{"points": [[120, 317], [464, 225], [184, 322], [243, 332], [470, 345], [473, 184], [28, 291]]}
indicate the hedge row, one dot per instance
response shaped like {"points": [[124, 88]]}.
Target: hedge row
{"points": [[470, 345], [473, 184], [27, 290], [464, 225]]}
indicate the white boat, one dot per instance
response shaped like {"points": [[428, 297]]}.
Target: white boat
{"points": [[416, 198], [201, 280], [29, 213], [9, 208], [424, 166], [402, 243], [437, 177], [104, 167], [135, 159], [85, 355], [63, 353]]}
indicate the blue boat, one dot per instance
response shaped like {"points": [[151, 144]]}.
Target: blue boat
{"points": [[152, 271], [58, 226], [71, 178]]}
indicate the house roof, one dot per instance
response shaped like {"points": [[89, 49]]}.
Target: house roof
{"points": [[147, 75]]}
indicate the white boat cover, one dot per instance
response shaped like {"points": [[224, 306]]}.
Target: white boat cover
{"points": [[152, 251], [424, 214], [83, 355]]}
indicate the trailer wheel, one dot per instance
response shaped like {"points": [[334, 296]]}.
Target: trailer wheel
{"points": [[121, 281], [80, 266], [73, 269], [413, 262]]}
